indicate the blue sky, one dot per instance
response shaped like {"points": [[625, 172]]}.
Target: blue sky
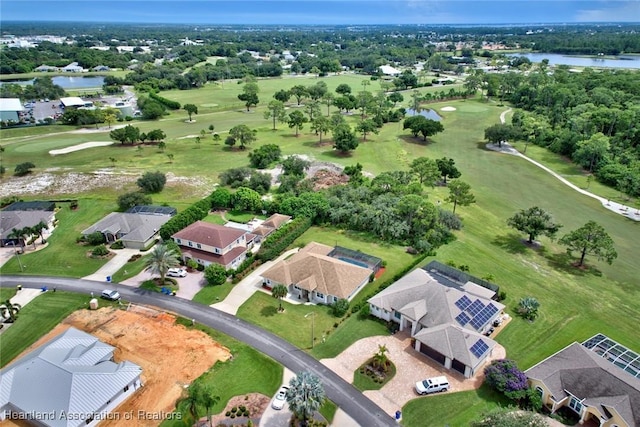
{"points": [[354, 12]]}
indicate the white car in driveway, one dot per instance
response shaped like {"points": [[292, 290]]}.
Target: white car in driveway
{"points": [[280, 398], [177, 272]]}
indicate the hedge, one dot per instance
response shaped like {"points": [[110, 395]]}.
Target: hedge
{"points": [[193, 213], [172, 105], [278, 241]]}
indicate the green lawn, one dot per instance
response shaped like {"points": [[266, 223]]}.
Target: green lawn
{"points": [[212, 294], [63, 256], [450, 409], [248, 372], [262, 310], [130, 269], [242, 217], [349, 331], [214, 219], [36, 319], [328, 410], [364, 382]]}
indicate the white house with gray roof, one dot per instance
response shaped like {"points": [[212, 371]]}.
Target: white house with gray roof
{"points": [[136, 230], [446, 320], [70, 381]]}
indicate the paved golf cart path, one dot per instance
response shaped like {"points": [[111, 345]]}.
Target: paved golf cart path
{"points": [[620, 209]]}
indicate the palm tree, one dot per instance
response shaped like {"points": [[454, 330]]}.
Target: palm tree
{"points": [[9, 311], [162, 259], [380, 359], [279, 292], [208, 400], [18, 235], [194, 397], [39, 228], [305, 396]]}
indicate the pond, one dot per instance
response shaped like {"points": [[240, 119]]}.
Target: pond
{"points": [[623, 61], [428, 113], [66, 82]]}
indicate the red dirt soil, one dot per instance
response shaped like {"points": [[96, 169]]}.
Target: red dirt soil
{"points": [[171, 356]]}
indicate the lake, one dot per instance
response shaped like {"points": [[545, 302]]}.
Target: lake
{"points": [[428, 113], [66, 82], [623, 61]]}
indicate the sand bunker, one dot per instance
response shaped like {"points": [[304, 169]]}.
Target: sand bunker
{"points": [[448, 109], [79, 147], [171, 356]]}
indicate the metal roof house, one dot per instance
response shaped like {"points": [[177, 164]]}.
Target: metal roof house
{"points": [[70, 381], [446, 321], [10, 109]]}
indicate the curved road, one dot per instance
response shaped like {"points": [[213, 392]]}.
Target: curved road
{"points": [[343, 394]]}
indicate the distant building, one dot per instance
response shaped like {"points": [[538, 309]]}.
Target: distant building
{"points": [[135, 230], [72, 68], [388, 70], [10, 109], [73, 374], [74, 102], [46, 68]]}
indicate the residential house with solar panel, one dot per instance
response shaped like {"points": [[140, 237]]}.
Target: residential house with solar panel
{"points": [[599, 380], [70, 381], [446, 318]]}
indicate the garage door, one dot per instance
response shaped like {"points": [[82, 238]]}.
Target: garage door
{"points": [[458, 366], [437, 356]]}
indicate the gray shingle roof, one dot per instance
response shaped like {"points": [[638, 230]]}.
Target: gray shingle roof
{"points": [[579, 371], [134, 227], [20, 219], [439, 299], [454, 342], [72, 373]]}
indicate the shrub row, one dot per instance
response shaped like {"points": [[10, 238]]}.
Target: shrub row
{"points": [[172, 105], [243, 270], [193, 213], [278, 241], [363, 302]]}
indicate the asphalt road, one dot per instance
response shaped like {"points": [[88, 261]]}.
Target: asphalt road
{"points": [[343, 394]]}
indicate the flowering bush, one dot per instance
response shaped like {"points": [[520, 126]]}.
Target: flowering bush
{"points": [[504, 376]]}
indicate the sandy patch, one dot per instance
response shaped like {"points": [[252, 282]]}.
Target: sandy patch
{"points": [[171, 356], [448, 109], [79, 147]]}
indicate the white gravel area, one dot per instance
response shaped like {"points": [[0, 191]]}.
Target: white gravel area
{"points": [[79, 147], [448, 109]]}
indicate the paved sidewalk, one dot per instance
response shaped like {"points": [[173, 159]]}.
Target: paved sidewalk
{"points": [[243, 290], [113, 265]]}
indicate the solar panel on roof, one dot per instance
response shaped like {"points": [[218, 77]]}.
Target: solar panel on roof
{"points": [[463, 319], [483, 317], [479, 348], [463, 302], [475, 308]]}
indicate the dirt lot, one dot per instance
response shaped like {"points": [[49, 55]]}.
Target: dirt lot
{"points": [[140, 336]]}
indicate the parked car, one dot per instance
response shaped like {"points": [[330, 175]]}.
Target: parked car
{"points": [[432, 385], [111, 295], [280, 398], [177, 272]]}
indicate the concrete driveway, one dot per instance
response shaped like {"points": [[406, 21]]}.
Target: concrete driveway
{"points": [[243, 290], [113, 265], [411, 366], [188, 286]]}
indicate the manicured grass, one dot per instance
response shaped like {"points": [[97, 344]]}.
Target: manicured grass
{"points": [[130, 269], [364, 382], [212, 294], [349, 331], [6, 293], [214, 219], [63, 256], [248, 372], [242, 216], [328, 410], [451, 409], [262, 309], [36, 319]]}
